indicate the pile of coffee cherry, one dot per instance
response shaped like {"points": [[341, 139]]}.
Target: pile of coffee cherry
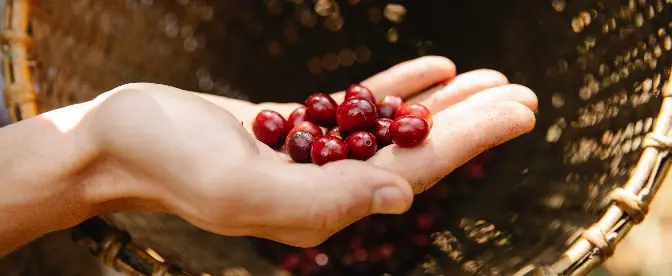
{"points": [[323, 131]]}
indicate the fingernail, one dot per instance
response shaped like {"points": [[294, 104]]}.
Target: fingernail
{"points": [[389, 200]]}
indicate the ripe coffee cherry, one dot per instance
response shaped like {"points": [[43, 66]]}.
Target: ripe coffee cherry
{"points": [[361, 145], [321, 110], [388, 106], [336, 132], [382, 131], [358, 90], [328, 149], [297, 116], [416, 110], [298, 145], [409, 131], [270, 128], [309, 127], [355, 114]]}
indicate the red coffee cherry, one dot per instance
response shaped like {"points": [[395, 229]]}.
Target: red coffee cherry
{"points": [[297, 116], [388, 106], [321, 110], [409, 131], [361, 145], [358, 90], [298, 145], [328, 149], [270, 128], [382, 131], [356, 114], [417, 110], [309, 127], [336, 132]]}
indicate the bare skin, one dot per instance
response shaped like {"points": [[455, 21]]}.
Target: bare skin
{"points": [[149, 147]]}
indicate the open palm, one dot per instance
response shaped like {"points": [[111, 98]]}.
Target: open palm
{"points": [[473, 112]]}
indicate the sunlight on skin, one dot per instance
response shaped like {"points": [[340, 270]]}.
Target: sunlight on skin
{"points": [[67, 118]]}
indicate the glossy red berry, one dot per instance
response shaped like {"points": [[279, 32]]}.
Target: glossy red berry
{"points": [[382, 131], [309, 127], [270, 128], [297, 116], [336, 132], [321, 109], [361, 145], [356, 114], [409, 131], [358, 90], [298, 145], [328, 149], [388, 106], [417, 110]]}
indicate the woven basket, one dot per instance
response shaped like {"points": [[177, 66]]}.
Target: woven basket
{"points": [[573, 188]]}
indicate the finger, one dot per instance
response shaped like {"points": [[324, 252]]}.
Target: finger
{"points": [[319, 197], [455, 139], [459, 88], [408, 78], [505, 93]]}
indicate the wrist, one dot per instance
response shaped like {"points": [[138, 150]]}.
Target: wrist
{"points": [[108, 183], [42, 162], [98, 182]]}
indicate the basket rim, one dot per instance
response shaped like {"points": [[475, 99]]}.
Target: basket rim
{"points": [[627, 205]]}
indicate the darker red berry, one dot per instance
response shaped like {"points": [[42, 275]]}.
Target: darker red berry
{"points": [[382, 131], [291, 261], [474, 170], [328, 149], [388, 106], [416, 110], [297, 116], [298, 145], [358, 90], [425, 221], [270, 128], [309, 127], [355, 114], [321, 110], [336, 132], [361, 145], [409, 131]]}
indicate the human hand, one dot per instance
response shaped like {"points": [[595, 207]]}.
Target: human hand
{"points": [[497, 112], [170, 151]]}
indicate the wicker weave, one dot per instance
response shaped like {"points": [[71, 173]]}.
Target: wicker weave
{"points": [[574, 187]]}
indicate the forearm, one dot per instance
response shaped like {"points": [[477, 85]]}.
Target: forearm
{"points": [[42, 159]]}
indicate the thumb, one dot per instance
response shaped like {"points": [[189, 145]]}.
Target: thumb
{"points": [[330, 196]]}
